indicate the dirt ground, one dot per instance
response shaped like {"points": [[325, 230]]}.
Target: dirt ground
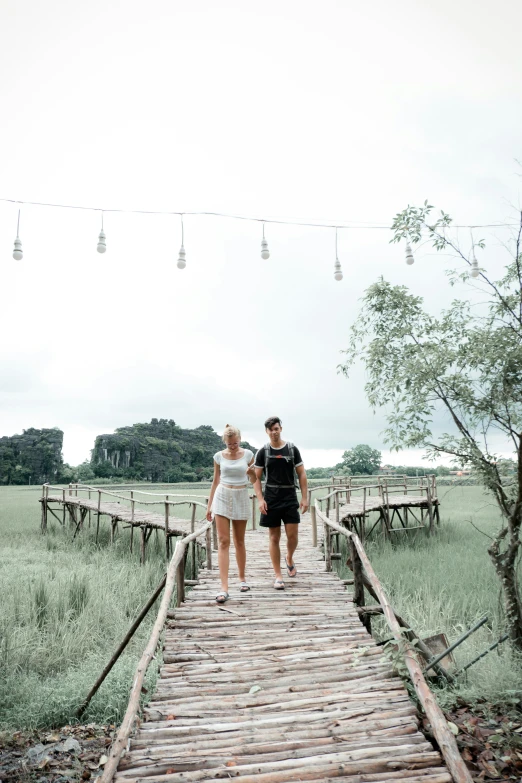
{"points": [[489, 738], [67, 755]]}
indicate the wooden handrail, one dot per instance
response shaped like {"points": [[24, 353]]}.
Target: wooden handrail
{"points": [[160, 501], [127, 723], [441, 731]]}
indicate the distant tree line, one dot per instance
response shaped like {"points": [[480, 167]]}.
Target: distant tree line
{"points": [[33, 457], [363, 460]]}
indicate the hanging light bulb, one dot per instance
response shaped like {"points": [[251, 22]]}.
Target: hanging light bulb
{"points": [[182, 260], [409, 255], [338, 275], [265, 253], [101, 247], [17, 252]]}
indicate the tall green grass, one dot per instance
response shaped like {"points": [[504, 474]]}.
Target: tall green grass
{"points": [[444, 584], [65, 606]]}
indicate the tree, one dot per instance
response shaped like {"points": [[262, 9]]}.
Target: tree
{"points": [[466, 361], [85, 472], [361, 459]]}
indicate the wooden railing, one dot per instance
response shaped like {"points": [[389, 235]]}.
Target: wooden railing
{"points": [[364, 575]]}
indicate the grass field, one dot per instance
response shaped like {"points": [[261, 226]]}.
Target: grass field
{"points": [[66, 605]]}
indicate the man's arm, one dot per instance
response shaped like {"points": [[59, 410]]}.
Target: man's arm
{"points": [[303, 483]]}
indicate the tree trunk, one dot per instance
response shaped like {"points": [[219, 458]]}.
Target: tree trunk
{"points": [[505, 564]]}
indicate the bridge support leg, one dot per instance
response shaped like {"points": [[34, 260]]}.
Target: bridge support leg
{"points": [[142, 545], [358, 584], [44, 515], [208, 542]]}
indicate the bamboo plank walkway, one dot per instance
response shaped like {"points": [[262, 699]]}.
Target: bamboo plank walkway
{"points": [[277, 686]]}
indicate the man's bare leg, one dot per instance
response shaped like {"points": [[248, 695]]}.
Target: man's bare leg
{"points": [[275, 551], [292, 538]]}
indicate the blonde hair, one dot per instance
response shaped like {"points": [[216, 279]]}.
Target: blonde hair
{"points": [[231, 432]]}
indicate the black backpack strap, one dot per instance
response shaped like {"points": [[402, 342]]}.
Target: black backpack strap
{"points": [[267, 457]]}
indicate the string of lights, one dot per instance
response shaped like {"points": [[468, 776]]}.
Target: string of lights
{"points": [[265, 253]]}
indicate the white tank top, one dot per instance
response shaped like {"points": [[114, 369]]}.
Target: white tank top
{"points": [[233, 471]]}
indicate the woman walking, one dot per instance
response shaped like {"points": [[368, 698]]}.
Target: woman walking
{"points": [[228, 502]]}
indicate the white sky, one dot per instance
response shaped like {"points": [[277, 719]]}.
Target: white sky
{"points": [[336, 111]]}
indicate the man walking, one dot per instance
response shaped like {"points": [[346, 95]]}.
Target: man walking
{"points": [[280, 461]]}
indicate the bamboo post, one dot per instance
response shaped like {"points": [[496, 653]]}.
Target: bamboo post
{"points": [[167, 539], [98, 517], [337, 507], [130, 633], [358, 583], [328, 506], [214, 534], [143, 541], [180, 582], [193, 549], [430, 508], [327, 547], [63, 507], [313, 518], [70, 490], [89, 496], [254, 512], [208, 541], [132, 522], [43, 524], [386, 511]]}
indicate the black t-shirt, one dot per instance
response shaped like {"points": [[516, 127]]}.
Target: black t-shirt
{"points": [[280, 490]]}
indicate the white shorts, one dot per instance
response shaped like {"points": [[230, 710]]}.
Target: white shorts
{"points": [[231, 503]]}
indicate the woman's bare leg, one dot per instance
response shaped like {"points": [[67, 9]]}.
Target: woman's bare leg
{"points": [[238, 531], [223, 533]]}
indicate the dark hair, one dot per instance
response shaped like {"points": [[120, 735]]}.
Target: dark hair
{"points": [[269, 423]]}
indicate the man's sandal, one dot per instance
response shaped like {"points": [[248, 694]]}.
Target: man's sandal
{"points": [[243, 587], [291, 568], [222, 597], [279, 584]]}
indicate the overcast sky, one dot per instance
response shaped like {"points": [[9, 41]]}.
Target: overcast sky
{"points": [[342, 112]]}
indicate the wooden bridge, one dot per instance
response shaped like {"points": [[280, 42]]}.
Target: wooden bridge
{"points": [[273, 686], [351, 502]]}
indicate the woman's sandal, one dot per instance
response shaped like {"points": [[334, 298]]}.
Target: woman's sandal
{"points": [[243, 587], [222, 597], [279, 584], [290, 568]]}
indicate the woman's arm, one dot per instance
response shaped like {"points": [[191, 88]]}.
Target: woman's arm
{"points": [[215, 482]]}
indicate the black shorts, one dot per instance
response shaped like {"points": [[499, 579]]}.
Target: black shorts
{"points": [[288, 516]]}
